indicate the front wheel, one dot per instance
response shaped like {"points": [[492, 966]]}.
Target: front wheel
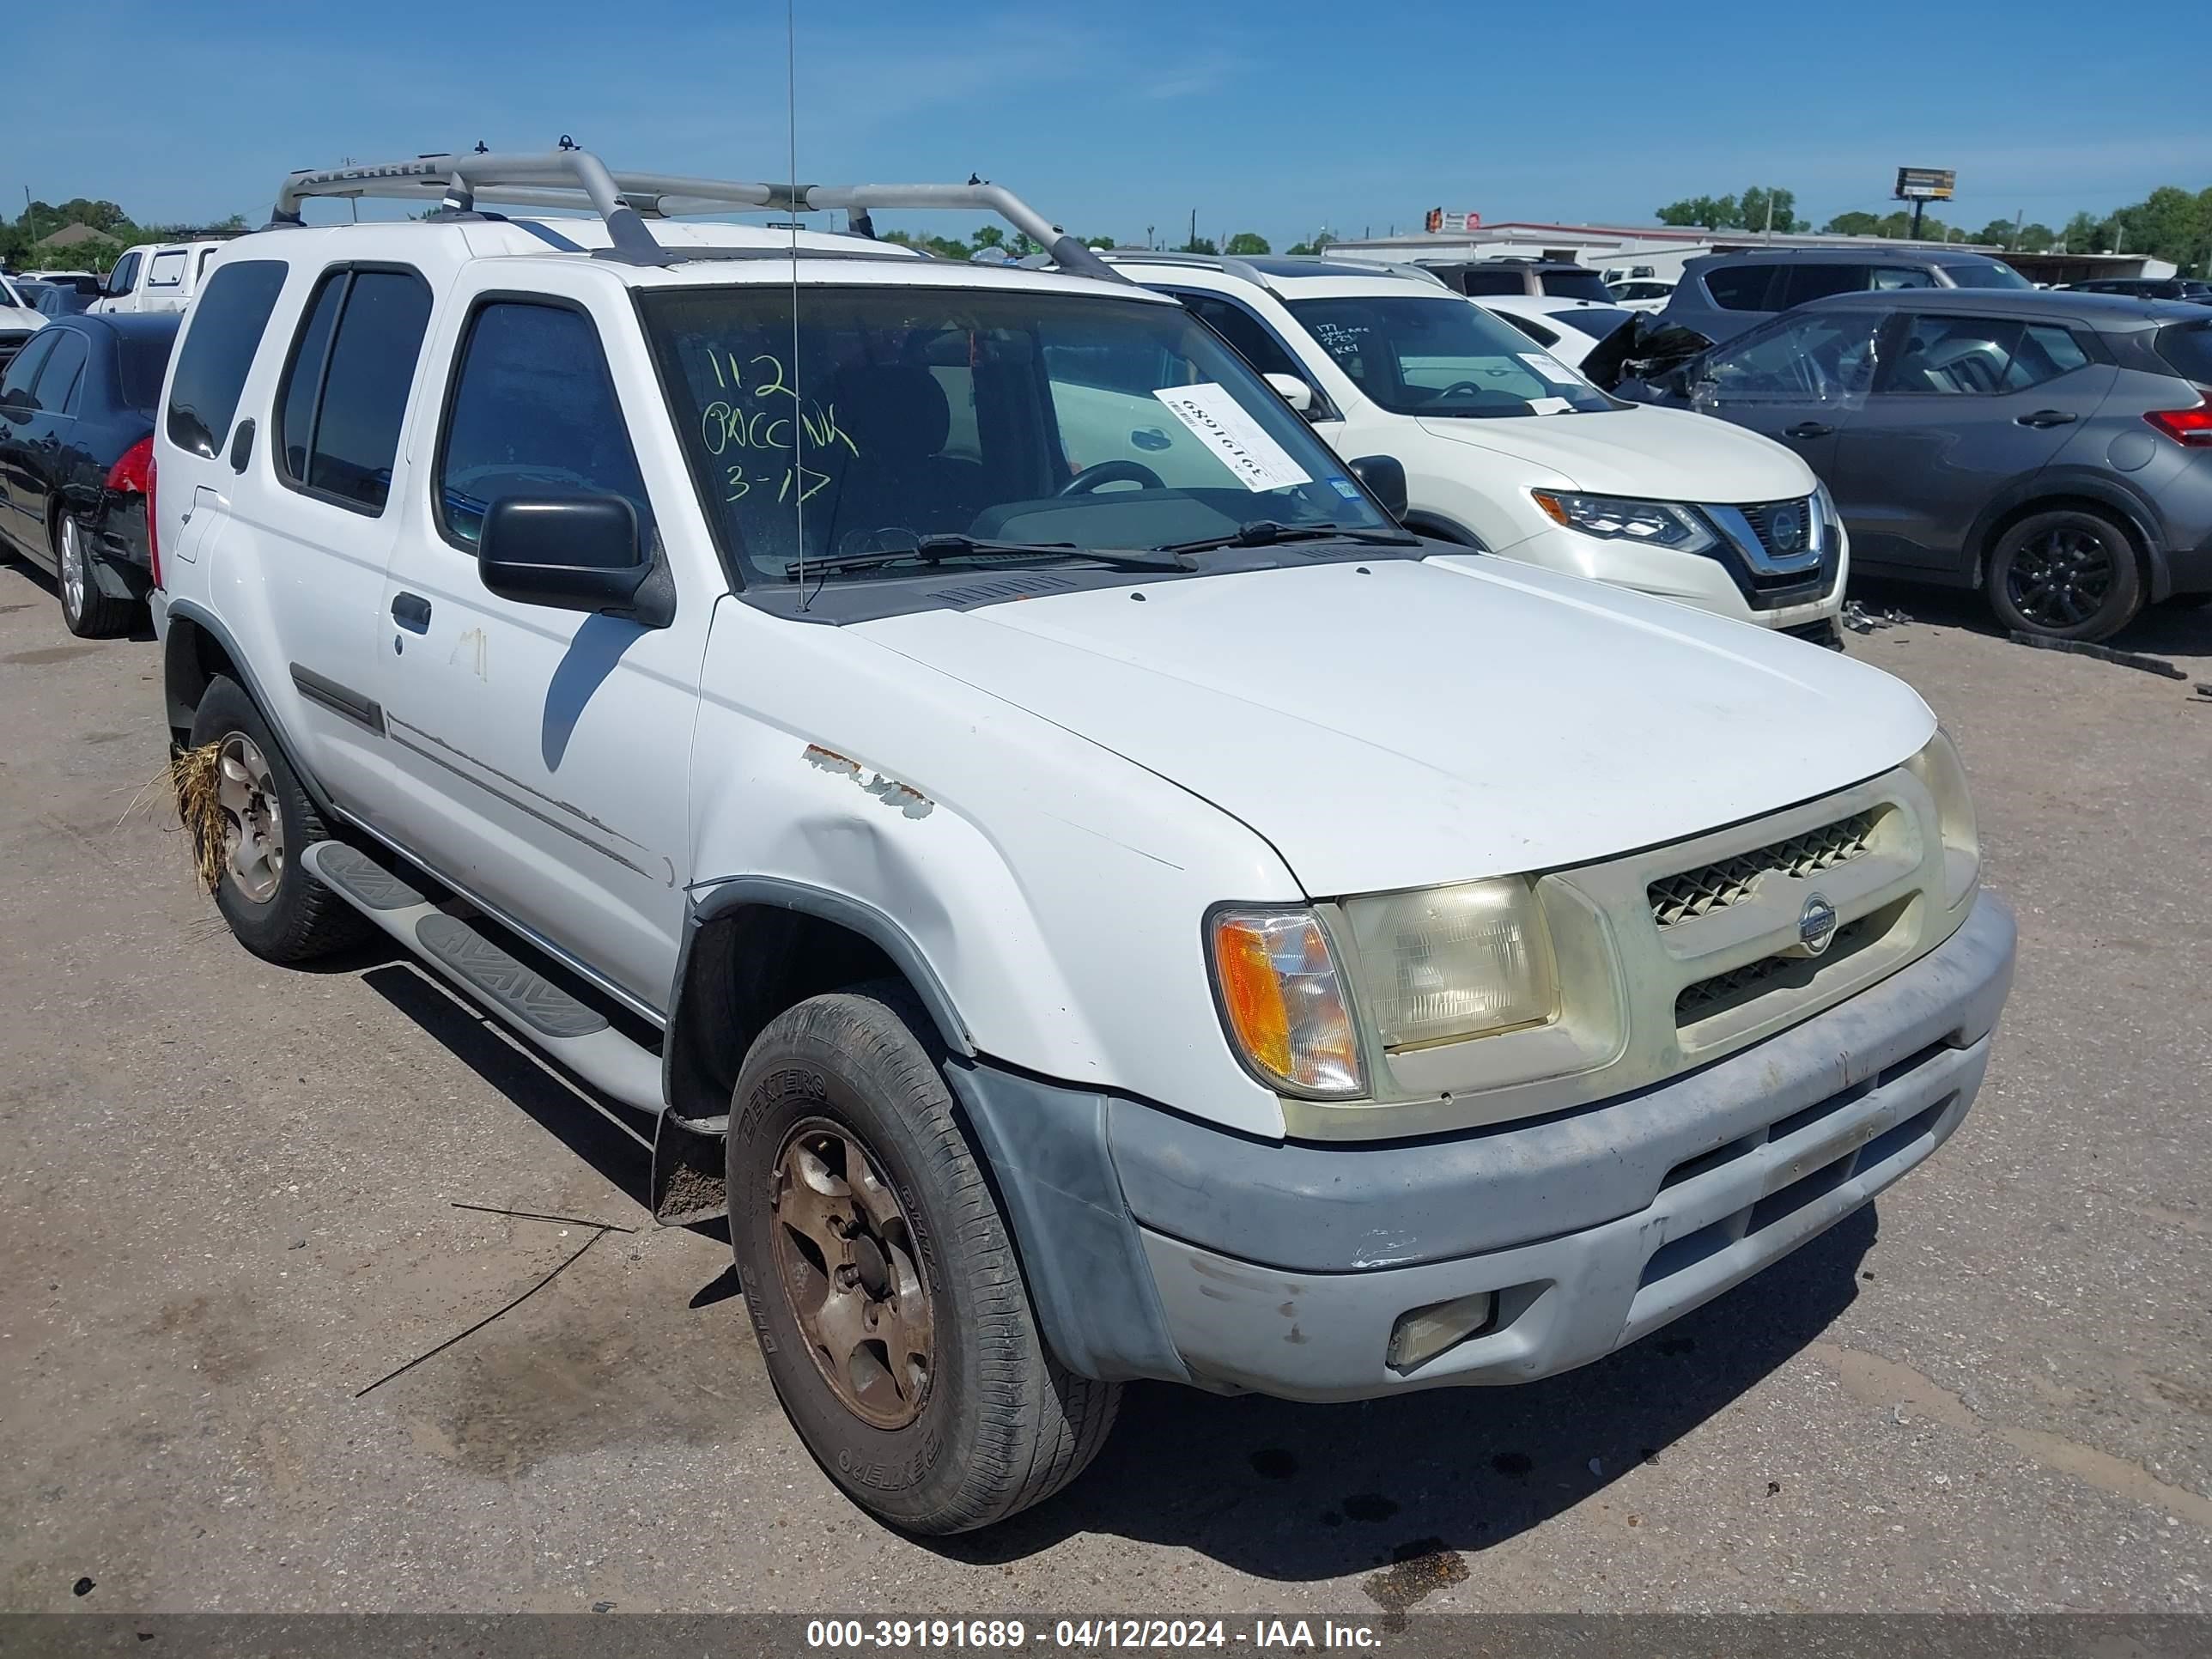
{"points": [[2065, 574], [881, 1277]]}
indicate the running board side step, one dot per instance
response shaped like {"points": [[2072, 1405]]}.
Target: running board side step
{"points": [[541, 1012], [688, 1180]]}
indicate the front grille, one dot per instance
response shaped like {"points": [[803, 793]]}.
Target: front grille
{"points": [[1705, 997], [1761, 515], [1729, 881]]}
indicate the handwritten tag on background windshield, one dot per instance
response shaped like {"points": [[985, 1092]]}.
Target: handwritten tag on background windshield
{"points": [[1219, 423]]}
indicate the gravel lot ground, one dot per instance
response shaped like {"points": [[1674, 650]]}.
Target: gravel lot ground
{"points": [[227, 1205]]}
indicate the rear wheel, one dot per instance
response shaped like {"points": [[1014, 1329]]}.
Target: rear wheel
{"points": [[881, 1277], [86, 612], [278, 910], [2065, 574]]}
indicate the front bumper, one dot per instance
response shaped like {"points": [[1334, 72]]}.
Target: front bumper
{"points": [[1158, 1247], [1694, 579]]}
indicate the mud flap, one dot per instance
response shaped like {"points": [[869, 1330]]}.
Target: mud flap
{"points": [[689, 1170]]}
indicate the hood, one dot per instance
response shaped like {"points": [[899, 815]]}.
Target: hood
{"points": [[1658, 454], [1430, 723]]}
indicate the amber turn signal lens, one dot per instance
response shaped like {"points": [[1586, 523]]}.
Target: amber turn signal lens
{"points": [[1283, 1002]]}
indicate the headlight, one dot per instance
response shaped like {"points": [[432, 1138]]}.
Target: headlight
{"points": [[1449, 962], [1615, 519], [1937, 766], [1282, 1000]]}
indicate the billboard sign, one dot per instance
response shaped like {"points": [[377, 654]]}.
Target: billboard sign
{"points": [[1925, 184], [1439, 220]]}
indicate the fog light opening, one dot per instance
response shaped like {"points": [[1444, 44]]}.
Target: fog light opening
{"points": [[1424, 1333]]}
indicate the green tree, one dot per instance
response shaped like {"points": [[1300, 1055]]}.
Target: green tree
{"points": [[1248, 242], [1198, 244], [1709, 213], [1853, 223], [1101, 241], [2169, 223], [2084, 233], [1752, 209]]}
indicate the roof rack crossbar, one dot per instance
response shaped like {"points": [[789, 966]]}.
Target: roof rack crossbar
{"points": [[577, 178]]}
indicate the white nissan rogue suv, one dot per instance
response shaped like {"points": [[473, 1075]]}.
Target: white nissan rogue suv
{"points": [[1508, 448], [1090, 895]]}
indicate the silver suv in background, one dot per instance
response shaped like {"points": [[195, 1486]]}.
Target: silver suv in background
{"points": [[1722, 294]]}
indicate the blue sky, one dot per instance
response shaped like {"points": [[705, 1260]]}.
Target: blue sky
{"points": [[1279, 118]]}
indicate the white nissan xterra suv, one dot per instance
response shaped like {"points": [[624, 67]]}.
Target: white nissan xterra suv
{"points": [[1507, 449], [1096, 898]]}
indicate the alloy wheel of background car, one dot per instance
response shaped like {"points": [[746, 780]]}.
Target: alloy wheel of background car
{"points": [[86, 612], [2065, 574]]}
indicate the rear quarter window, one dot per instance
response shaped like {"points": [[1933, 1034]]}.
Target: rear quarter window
{"points": [[1493, 281], [1576, 285], [218, 350], [1739, 287], [2188, 347]]}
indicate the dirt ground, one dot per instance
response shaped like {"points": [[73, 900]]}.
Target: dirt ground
{"points": [[228, 1204]]}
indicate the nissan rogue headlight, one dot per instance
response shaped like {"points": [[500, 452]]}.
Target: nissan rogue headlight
{"points": [[1282, 1000], [1938, 768], [1617, 519], [1446, 964]]}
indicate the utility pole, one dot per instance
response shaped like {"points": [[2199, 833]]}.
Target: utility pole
{"points": [[30, 228], [1151, 238], [1194, 228], [2018, 216], [1769, 213]]}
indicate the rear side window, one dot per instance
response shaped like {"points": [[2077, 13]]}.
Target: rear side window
{"points": [[1493, 281], [1576, 285], [1893, 276], [2188, 347], [15, 384], [1809, 282], [1981, 356], [344, 394], [57, 381], [1741, 288], [1245, 331], [218, 350], [533, 413], [168, 268]]}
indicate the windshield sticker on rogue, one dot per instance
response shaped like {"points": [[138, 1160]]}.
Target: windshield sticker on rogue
{"points": [[1345, 488], [1551, 368], [1220, 422]]}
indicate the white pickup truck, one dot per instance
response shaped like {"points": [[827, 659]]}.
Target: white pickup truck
{"points": [[1096, 898]]}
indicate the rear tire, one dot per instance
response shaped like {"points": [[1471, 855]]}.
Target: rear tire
{"points": [[904, 1351], [2065, 574], [86, 612], [277, 909]]}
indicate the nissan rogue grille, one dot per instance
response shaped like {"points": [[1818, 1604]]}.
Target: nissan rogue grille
{"points": [[1760, 516], [1727, 881]]}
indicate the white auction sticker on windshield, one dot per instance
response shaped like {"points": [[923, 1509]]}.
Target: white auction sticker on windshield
{"points": [[1223, 425], [1551, 368]]}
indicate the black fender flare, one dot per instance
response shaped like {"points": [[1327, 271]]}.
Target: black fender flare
{"points": [[1435, 527]]}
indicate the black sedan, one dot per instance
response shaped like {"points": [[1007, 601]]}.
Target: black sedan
{"points": [[76, 453]]}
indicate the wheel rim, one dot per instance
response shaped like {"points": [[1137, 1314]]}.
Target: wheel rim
{"points": [[252, 826], [2061, 578], [850, 1272], [72, 570]]}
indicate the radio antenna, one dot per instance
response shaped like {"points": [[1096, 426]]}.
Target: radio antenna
{"points": [[798, 426]]}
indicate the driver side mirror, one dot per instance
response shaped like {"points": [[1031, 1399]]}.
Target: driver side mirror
{"points": [[1385, 478], [1294, 392], [574, 553]]}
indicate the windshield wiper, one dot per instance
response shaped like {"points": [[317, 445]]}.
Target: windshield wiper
{"points": [[932, 549], [1266, 533]]}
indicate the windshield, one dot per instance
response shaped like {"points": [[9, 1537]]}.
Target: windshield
{"points": [[1576, 285], [1990, 274], [1415, 354], [887, 414]]}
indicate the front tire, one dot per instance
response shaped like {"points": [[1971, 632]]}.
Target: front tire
{"points": [[86, 612], [2065, 574], [277, 909], [881, 1277]]}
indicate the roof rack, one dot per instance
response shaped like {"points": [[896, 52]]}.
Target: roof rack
{"points": [[1230, 266], [569, 177]]}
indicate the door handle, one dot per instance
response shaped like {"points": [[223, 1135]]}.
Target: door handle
{"points": [[412, 612], [241, 446], [2043, 417], [1808, 429]]}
